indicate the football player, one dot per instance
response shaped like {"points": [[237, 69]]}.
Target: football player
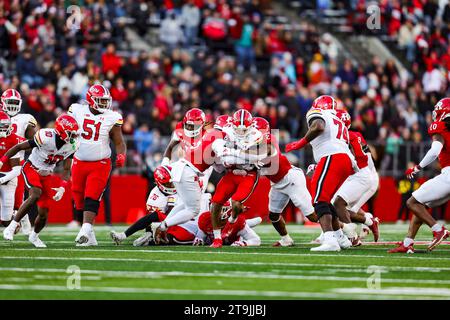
{"points": [[24, 125], [238, 233], [436, 191], [49, 147], [9, 171], [240, 180], [329, 139], [287, 183], [92, 161]]}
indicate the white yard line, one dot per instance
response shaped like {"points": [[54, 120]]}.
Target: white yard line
{"points": [[244, 293], [238, 274], [342, 254]]}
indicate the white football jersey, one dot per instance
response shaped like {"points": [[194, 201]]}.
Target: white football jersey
{"points": [[335, 137], [95, 129], [20, 123], [46, 155], [158, 201]]}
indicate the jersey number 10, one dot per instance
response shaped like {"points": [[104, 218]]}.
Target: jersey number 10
{"points": [[91, 129]]}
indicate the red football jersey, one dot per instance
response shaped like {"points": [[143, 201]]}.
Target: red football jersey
{"points": [[283, 163], [359, 144], [439, 127], [6, 144], [200, 153]]}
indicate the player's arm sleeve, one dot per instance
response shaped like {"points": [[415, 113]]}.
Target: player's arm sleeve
{"points": [[15, 172], [250, 237], [432, 154]]}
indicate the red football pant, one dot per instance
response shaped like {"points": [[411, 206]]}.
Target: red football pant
{"points": [[179, 234], [238, 188], [330, 174], [34, 180], [89, 180], [20, 190]]}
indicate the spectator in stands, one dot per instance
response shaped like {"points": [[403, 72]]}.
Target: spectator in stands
{"points": [[170, 32], [110, 60], [244, 47], [190, 17]]}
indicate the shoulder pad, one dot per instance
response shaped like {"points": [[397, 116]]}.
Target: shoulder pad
{"points": [[436, 128]]}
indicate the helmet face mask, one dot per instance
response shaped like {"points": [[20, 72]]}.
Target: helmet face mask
{"points": [[67, 128], [163, 180], [101, 104], [193, 122], [5, 126], [192, 130], [242, 123], [226, 211], [99, 98], [11, 102]]}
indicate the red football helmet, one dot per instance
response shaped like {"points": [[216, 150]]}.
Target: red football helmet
{"points": [[222, 121], [193, 122], [262, 125], [441, 109], [99, 98], [66, 127], [226, 210], [11, 102], [5, 125], [242, 122], [163, 179], [345, 117], [325, 102]]}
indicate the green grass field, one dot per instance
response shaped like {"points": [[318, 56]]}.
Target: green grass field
{"points": [[185, 272]]}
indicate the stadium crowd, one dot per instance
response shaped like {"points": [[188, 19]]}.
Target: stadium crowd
{"points": [[220, 55]]}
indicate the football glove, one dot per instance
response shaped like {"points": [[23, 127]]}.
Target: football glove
{"points": [[411, 172]]}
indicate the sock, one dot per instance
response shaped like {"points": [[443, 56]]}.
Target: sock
{"points": [[350, 230], [436, 228], [231, 219], [13, 224], [369, 217], [217, 234], [34, 235], [142, 223], [408, 242], [86, 227], [286, 238]]}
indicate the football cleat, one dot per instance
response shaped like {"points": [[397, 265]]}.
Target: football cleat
{"points": [[117, 237], [38, 243], [365, 231], [327, 246], [239, 244], [375, 229], [284, 243], [8, 233], [319, 239], [344, 242], [143, 240], [217, 243], [402, 249], [26, 225], [438, 237], [198, 242], [356, 241]]}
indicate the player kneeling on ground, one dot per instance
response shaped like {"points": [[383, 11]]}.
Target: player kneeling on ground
{"points": [[49, 147]]}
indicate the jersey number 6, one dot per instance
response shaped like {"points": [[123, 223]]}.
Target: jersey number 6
{"points": [[91, 129]]}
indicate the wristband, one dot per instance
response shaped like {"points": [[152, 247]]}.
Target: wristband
{"points": [[302, 142]]}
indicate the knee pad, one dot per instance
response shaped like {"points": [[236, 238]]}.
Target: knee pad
{"points": [[274, 217], [91, 205], [322, 208]]}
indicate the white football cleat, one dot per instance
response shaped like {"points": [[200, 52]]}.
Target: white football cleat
{"points": [[143, 240], [86, 239], [328, 246], [26, 225], [38, 243], [117, 237], [319, 239], [8, 233], [283, 242], [344, 242], [253, 222], [365, 231], [73, 224]]}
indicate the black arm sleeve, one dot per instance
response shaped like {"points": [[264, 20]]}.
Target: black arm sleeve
{"points": [[32, 143]]}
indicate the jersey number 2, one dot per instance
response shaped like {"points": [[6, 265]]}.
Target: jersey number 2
{"points": [[91, 129], [342, 130]]}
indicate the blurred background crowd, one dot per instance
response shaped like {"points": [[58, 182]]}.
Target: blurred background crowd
{"points": [[221, 55]]}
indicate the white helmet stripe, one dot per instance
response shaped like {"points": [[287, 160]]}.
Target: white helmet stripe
{"points": [[242, 117]]}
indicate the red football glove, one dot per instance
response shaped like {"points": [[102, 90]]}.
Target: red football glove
{"points": [[120, 160], [296, 145], [411, 172]]}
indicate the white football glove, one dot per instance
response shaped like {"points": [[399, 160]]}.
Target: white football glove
{"points": [[59, 193], [311, 169], [165, 161]]}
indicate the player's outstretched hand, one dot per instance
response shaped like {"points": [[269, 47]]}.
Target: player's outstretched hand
{"points": [[296, 145], [411, 172]]}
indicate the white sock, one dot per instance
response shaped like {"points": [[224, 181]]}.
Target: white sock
{"points": [[34, 235], [408, 242], [369, 217], [436, 228], [86, 227], [13, 224], [350, 230], [286, 238], [217, 234]]}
